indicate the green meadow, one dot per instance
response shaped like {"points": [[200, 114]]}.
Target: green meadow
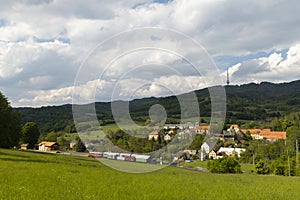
{"points": [[31, 175]]}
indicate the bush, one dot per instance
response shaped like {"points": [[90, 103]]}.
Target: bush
{"points": [[280, 166], [224, 165], [261, 168]]}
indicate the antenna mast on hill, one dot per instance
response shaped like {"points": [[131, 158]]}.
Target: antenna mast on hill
{"points": [[227, 77]]}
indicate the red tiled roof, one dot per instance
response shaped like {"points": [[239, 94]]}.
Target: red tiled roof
{"points": [[266, 133], [203, 127]]}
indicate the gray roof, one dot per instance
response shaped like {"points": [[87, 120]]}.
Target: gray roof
{"points": [[210, 144]]}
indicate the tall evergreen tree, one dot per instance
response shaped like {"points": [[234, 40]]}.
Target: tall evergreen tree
{"points": [[9, 124], [80, 147]]}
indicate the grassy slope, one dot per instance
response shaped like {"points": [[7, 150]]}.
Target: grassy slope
{"points": [[246, 168], [27, 175]]}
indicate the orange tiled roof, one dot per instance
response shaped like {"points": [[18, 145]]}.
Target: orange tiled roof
{"points": [[47, 144], [203, 127], [234, 126], [154, 133], [266, 133], [274, 135]]}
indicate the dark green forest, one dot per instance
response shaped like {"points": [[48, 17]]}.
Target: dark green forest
{"points": [[249, 102]]}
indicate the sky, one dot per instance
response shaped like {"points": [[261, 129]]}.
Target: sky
{"points": [[46, 44]]}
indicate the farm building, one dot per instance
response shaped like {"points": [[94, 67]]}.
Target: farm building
{"points": [[48, 146], [24, 146]]}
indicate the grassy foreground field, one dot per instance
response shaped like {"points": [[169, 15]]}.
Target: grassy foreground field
{"points": [[29, 175]]}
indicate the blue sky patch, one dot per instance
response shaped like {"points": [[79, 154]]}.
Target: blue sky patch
{"points": [[162, 1], [43, 40], [154, 1], [3, 22], [223, 62]]}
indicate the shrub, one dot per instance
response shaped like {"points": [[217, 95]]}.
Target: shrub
{"points": [[280, 166], [261, 168], [224, 165]]}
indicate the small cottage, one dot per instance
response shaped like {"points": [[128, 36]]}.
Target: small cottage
{"points": [[24, 146], [73, 144], [212, 155], [48, 146]]}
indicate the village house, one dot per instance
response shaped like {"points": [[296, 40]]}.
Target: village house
{"points": [[221, 155], [73, 144], [182, 135], [228, 135], [154, 134], [167, 137], [188, 125], [227, 150], [231, 151], [235, 127], [48, 146], [232, 134], [169, 126], [206, 147], [212, 155], [175, 126], [202, 130]]}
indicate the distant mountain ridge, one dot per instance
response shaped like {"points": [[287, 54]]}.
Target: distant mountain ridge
{"points": [[245, 102]]}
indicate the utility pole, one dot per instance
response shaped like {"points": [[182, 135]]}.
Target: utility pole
{"points": [[297, 156], [289, 166], [227, 77], [297, 148]]}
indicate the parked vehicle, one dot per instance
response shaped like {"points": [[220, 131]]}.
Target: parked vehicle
{"points": [[111, 155], [96, 154], [130, 158], [121, 156], [141, 158]]}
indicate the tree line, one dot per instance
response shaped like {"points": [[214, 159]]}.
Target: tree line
{"points": [[11, 132]]}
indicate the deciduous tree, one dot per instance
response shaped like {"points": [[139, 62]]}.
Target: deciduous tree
{"points": [[30, 134], [9, 124]]}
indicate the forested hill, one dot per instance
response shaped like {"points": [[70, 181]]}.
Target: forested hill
{"points": [[245, 102]]}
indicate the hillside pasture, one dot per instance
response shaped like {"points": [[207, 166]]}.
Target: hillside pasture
{"points": [[31, 175]]}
